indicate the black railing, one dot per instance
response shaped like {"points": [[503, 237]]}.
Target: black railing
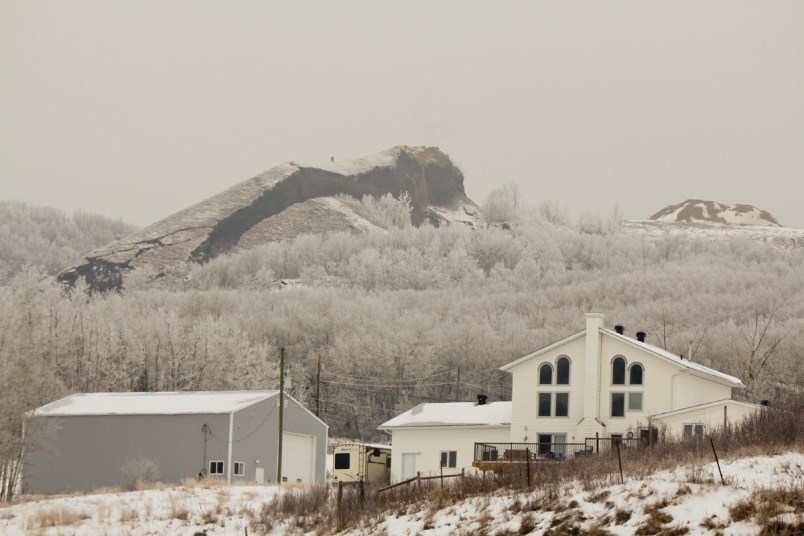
{"points": [[522, 452], [607, 444]]}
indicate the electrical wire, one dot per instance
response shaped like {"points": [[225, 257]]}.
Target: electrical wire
{"points": [[249, 435]]}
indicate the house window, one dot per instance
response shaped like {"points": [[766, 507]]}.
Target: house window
{"points": [[634, 401], [618, 404], [449, 458], [544, 404], [342, 460], [563, 371], [635, 374], [693, 430], [239, 469], [562, 404], [215, 467], [545, 374], [618, 371], [388, 462]]}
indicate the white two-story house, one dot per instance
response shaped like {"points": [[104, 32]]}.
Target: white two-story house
{"points": [[602, 383], [595, 384]]}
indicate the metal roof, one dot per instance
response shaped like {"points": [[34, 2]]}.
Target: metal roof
{"points": [[162, 403]]}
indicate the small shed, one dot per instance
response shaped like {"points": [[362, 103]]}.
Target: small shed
{"points": [[231, 436]]}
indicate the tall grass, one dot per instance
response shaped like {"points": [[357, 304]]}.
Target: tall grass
{"points": [[771, 431]]}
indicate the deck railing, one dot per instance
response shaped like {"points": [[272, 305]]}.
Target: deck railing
{"points": [[521, 452]]}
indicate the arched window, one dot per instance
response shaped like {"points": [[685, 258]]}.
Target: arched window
{"points": [[563, 371], [618, 371], [545, 374], [635, 374]]}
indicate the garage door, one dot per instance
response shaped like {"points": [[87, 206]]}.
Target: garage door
{"points": [[298, 457]]}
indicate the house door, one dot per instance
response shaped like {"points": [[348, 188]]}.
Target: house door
{"points": [[408, 465], [259, 475]]}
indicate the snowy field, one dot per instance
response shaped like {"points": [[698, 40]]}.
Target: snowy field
{"points": [[687, 500]]}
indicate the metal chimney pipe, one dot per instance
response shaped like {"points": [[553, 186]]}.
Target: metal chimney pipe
{"points": [[620, 329], [641, 336]]}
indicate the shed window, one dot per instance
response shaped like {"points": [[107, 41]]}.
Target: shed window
{"points": [[544, 404], [635, 375], [618, 371], [342, 460], [545, 374], [563, 371], [618, 404], [693, 430], [239, 469], [449, 458], [562, 404], [215, 467]]}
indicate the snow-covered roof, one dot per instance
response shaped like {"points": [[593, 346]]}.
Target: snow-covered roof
{"points": [[695, 368], [453, 414], [165, 403]]}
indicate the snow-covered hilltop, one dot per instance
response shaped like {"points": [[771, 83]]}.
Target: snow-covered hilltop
{"points": [[710, 220], [711, 212], [283, 203]]}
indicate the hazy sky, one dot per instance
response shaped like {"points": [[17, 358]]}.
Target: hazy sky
{"points": [[138, 109]]}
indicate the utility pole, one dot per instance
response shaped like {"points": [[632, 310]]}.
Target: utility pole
{"points": [[281, 413], [318, 385], [458, 385]]}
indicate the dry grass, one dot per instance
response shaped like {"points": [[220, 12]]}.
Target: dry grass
{"points": [[54, 516]]}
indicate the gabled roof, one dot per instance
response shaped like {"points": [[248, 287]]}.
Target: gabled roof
{"points": [[721, 402], [164, 403], [453, 414], [544, 350], [694, 368]]}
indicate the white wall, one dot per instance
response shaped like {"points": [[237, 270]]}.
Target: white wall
{"points": [[665, 387], [710, 417], [525, 421], [428, 443]]}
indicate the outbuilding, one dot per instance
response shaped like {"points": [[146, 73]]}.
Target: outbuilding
{"points": [[231, 436]]}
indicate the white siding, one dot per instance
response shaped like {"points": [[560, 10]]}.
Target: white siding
{"points": [[525, 421], [711, 417], [428, 443]]}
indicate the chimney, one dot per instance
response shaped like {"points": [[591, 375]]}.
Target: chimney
{"points": [[641, 336], [592, 360], [481, 400], [620, 329], [689, 349]]}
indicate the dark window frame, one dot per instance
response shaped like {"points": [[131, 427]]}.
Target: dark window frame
{"points": [[449, 458], [563, 368], [543, 367], [632, 369], [617, 398], [618, 370], [566, 405], [337, 464], [542, 398], [217, 467], [241, 466]]}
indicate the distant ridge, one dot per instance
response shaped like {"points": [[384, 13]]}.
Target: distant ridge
{"points": [[711, 212], [282, 203]]}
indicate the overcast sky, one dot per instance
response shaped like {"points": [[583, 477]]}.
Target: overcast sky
{"points": [[139, 109]]}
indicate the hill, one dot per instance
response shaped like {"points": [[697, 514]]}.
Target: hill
{"points": [[283, 203], [47, 238], [711, 212]]}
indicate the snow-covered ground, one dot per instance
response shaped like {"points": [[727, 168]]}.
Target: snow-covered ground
{"points": [[689, 499]]}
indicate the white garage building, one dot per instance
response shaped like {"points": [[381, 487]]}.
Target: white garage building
{"points": [[227, 435]]}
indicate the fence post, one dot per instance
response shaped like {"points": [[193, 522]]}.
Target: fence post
{"points": [[362, 491], [597, 442], [527, 460], [620, 460], [418, 479], [340, 509], [442, 476], [722, 480]]}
